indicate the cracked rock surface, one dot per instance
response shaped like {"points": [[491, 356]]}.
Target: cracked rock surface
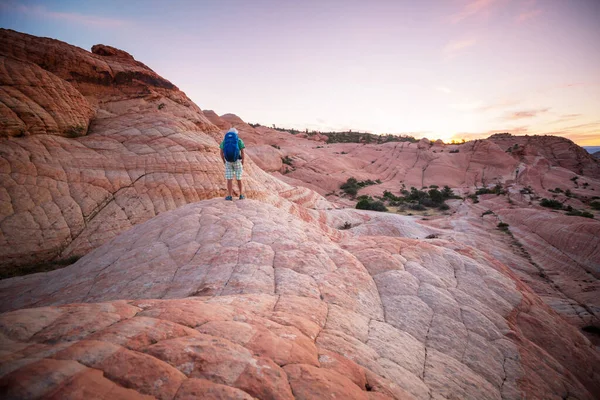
{"points": [[246, 299], [180, 295]]}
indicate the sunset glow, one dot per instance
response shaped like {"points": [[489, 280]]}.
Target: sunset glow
{"points": [[449, 69]]}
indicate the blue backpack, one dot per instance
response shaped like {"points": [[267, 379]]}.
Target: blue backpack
{"points": [[231, 147]]}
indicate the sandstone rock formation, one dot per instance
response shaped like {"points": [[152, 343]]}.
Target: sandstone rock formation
{"points": [[182, 295], [103, 145], [274, 307]]}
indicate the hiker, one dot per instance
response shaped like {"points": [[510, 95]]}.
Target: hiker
{"points": [[232, 154]]}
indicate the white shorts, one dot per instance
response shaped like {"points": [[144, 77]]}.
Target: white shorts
{"points": [[231, 167]]}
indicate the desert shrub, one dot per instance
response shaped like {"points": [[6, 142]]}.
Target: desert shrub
{"points": [[352, 185], [447, 193], [392, 197], [527, 190], [275, 146], [347, 225], [568, 193], [551, 203], [161, 106], [432, 236], [417, 207], [578, 213], [488, 212], [595, 205], [287, 160], [367, 203], [434, 187], [453, 151], [497, 190], [436, 196], [503, 226], [420, 199]]}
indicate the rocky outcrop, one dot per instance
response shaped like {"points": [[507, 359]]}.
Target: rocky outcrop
{"points": [[275, 307], [559, 151], [97, 143]]}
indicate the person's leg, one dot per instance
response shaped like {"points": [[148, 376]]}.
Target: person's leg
{"points": [[229, 177], [239, 170]]}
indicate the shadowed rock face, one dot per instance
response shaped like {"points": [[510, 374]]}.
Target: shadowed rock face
{"points": [[183, 296]]}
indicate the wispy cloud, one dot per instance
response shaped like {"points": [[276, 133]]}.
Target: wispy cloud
{"points": [[81, 19], [471, 9], [526, 114], [500, 105], [565, 118], [527, 15], [456, 46], [529, 10]]}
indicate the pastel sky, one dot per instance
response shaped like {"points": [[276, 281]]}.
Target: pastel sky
{"points": [[448, 69]]}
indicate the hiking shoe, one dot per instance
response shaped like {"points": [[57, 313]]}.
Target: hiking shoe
{"points": [[242, 197], [229, 198]]}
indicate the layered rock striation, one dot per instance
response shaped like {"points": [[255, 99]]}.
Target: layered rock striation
{"points": [[180, 295], [93, 144], [245, 299]]}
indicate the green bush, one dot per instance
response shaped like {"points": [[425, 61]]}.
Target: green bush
{"points": [[352, 185], [367, 203], [347, 225], [287, 160], [595, 205], [578, 213], [497, 190], [436, 196], [447, 193], [551, 203], [417, 207]]}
